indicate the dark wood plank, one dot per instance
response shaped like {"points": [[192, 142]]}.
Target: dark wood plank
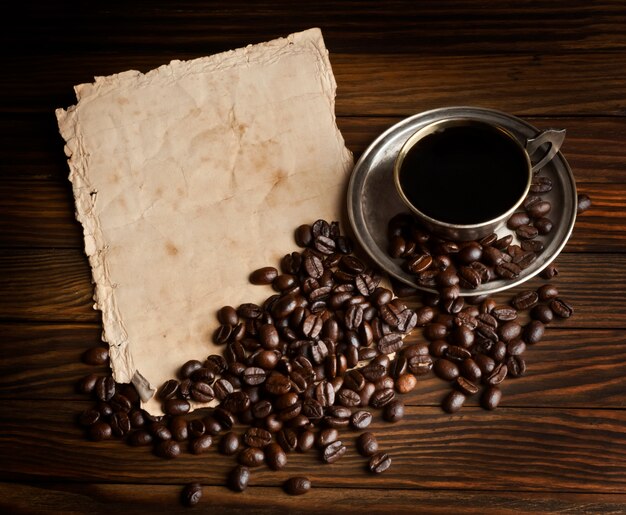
{"points": [[40, 213], [569, 368], [56, 286], [30, 146], [509, 449], [424, 27], [379, 84], [155, 498]]}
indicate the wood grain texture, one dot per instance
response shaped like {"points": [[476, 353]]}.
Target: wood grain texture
{"points": [[156, 498], [570, 368], [535, 450], [379, 84], [428, 27]]}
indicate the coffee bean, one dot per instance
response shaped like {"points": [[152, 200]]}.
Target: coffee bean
{"points": [[229, 444], [361, 419], [466, 386], [238, 478], [498, 375], [287, 439], [88, 383], [333, 451], [457, 353], [89, 417], [168, 449], [257, 437], [379, 462], [382, 397], [99, 431], [140, 438], [394, 411], [263, 275], [200, 444], [306, 441], [275, 456], [446, 369], [406, 383], [453, 402], [470, 252], [390, 343], [469, 277], [561, 308], [419, 263], [509, 331], [168, 390], [191, 494], [470, 370], [297, 485], [491, 397], [104, 388], [525, 300], [539, 209], [517, 220], [251, 457], [96, 356], [222, 388], [516, 366], [179, 428], [277, 384], [508, 270], [543, 313], [533, 332], [202, 392], [485, 363], [425, 315], [367, 444]]}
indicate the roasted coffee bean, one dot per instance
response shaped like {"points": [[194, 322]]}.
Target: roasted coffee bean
{"points": [[196, 428], [498, 375], [406, 383], [509, 331], [516, 366], [251, 457], [361, 419], [168, 390], [561, 308], [438, 348], [99, 431], [348, 398], [373, 371], [202, 392], [96, 356], [120, 402], [160, 431], [491, 397], [541, 184], [189, 368], [547, 292], [382, 397], [485, 363], [470, 252], [457, 353], [238, 478], [88, 383], [287, 439], [306, 441], [517, 220], [277, 384], [229, 444], [379, 462], [168, 449], [326, 436], [120, 424], [542, 313], [469, 277], [394, 411], [549, 272], [526, 232], [366, 444], [222, 388], [425, 315], [254, 376], [446, 369], [583, 204], [257, 437], [333, 451], [419, 263], [435, 331], [89, 417], [470, 370], [533, 332], [224, 417], [453, 402], [298, 485], [140, 438], [539, 209], [268, 336], [179, 429], [200, 444], [211, 426], [275, 456], [525, 300], [191, 494], [104, 388], [466, 386], [264, 275], [516, 347], [390, 343], [508, 270], [236, 402], [498, 351], [227, 315]]}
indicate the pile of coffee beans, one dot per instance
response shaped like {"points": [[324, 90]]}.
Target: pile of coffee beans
{"points": [[321, 353]]}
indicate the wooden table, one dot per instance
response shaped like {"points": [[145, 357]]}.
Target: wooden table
{"points": [[557, 442]]}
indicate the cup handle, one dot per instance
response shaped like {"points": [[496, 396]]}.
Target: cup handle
{"points": [[554, 137]]}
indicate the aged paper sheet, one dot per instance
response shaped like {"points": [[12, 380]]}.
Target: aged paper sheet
{"points": [[190, 176]]}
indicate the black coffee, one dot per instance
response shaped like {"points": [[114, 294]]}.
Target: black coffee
{"points": [[464, 174]]}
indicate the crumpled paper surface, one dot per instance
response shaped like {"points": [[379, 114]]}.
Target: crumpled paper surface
{"points": [[189, 177]]}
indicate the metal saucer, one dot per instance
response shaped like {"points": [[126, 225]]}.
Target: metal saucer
{"points": [[373, 200]]}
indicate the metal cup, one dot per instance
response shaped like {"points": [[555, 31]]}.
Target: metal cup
{"points": [[546, 144]]}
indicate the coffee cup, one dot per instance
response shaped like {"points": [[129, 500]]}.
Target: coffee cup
{"points": [[463, 177]]}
